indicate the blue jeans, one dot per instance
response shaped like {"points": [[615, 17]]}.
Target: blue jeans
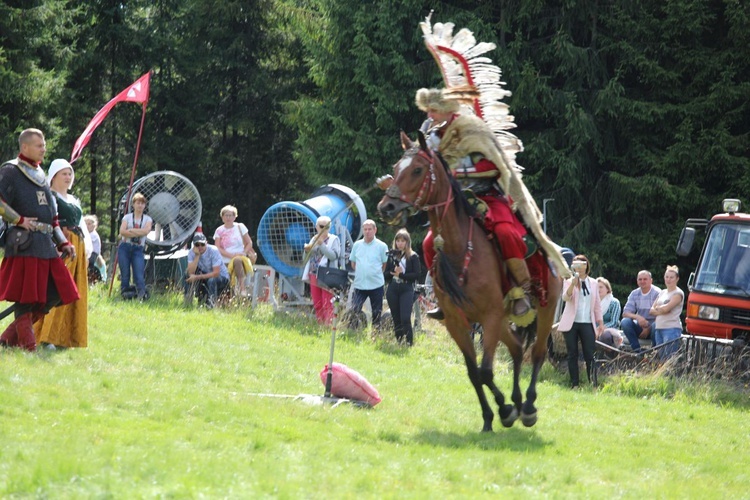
{"points": [[632, 330], [132, 255], [664, 335], [208, 290], [376, 302]]}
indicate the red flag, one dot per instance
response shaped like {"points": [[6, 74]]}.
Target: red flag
{"points": [[137, 92]]}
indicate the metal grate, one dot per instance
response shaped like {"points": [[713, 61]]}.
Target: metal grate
{"points": [[736, 316], [173, 202], [282, 235]]}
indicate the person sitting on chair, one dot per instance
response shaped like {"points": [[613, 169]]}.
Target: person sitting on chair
{"points": [[637, 320], [611, 313], [236, 247], [206, 274]]}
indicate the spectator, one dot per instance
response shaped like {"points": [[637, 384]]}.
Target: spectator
{"points": [[637, 320], [667, 309], [236, 247], [97, 265], [324, 249], [206, 276], [402, 271], [582, 317], [67, 326], [368, 260], [133, 230], [611, 310], [32, 274]]}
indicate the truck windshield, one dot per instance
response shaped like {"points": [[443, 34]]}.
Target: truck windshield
{"points": [[725, 264]]}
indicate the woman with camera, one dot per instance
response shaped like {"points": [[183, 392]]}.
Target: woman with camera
{"points": [[324, 249], [402, 269], [582, 317]]}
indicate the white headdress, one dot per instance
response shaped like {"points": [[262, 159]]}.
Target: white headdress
{"points": [[56, 166], [474, 81]]}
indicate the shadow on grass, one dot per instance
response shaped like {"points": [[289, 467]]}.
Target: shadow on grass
{"points": [[513, 439]]}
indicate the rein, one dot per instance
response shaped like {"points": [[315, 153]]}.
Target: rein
{"points": [[427, 186]]}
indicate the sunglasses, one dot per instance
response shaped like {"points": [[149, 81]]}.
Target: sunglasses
{"points": [[199, 244], [322, 226]]}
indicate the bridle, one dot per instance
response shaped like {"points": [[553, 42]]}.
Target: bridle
{"points": [[424, 194], [425, 190]]}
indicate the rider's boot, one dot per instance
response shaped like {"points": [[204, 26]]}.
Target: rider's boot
{"points": [[436, 313], [522, 313]]}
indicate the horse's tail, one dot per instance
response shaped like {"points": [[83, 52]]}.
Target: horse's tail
{"points": [[449, 280]]}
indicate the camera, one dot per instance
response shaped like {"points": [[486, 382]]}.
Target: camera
{"points": [[578, 266], [394, 256]]}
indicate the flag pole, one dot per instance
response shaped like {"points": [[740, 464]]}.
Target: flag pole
{"points": [[130, 186]]}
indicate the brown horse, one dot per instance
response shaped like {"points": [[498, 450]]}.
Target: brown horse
{"points": [[467, 273]]}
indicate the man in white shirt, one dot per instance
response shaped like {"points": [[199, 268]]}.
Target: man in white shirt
{"points": [[368, 258]]}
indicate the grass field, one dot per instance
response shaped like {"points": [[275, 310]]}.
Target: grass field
{"points": [[163, 404]]}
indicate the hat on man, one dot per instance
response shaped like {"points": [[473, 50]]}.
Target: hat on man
{"points": [[434, 100], [199, 238]]}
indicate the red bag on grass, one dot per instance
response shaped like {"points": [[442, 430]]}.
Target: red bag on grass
{"points": [[349, 384]]}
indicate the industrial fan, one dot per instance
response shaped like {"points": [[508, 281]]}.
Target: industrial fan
{"points": [[287, 226], [175, 205]]}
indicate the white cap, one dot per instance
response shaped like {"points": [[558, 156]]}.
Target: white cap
{"points": [[56, 166]]}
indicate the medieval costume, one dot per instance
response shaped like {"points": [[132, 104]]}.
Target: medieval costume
{"points": [[32, 273], [67, 325], [476, 144]]}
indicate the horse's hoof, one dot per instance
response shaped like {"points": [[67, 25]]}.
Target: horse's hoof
{"points": [[528, 419], [510, 419]]}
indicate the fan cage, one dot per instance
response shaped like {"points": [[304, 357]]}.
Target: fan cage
{"points": [[173, 203], [283, 231]]}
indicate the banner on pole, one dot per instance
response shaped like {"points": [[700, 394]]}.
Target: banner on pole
{"points": [[137, 92]]}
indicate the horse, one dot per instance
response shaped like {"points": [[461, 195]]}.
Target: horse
{"points": [[467, 274]]}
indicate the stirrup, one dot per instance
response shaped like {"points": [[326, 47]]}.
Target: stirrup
{"points": [[436, 313], [518, 302]]}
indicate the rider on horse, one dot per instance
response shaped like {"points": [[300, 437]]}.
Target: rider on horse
{"points": [[470, 150]]}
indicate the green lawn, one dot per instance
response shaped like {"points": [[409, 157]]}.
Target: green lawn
{"points": [[163, 404]]}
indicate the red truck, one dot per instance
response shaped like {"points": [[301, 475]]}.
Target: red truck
{"points": [[719, 301]]}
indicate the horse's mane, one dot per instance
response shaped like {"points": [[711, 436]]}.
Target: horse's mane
{"points": [[450, 281], [461, 202]]}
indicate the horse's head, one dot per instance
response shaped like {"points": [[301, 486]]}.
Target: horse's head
{"points": [[410, 187]]}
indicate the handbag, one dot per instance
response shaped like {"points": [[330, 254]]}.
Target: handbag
{"points": [[332, 278]]}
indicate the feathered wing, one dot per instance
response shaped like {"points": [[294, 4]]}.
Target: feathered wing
{"points": [[473, 80]]}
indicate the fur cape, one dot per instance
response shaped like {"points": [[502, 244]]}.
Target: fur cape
{"points": [[468, 134]]}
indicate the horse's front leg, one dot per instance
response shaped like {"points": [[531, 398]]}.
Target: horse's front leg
{"points": [[476, 379], [463, 339], [508, 412]]}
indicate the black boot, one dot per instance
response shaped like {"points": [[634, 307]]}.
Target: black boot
{"points": [[436, 313]]}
